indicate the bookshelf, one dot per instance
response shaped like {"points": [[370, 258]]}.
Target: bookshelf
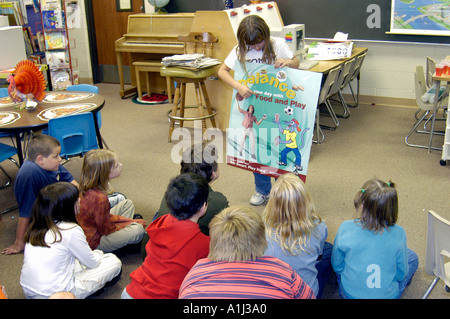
{"points": [[56, 43]]}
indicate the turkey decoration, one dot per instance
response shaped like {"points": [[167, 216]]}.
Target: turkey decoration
{"points": [[26, 82]]}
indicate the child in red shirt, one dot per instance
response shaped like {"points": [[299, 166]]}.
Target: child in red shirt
{"points": [[176, 242]]}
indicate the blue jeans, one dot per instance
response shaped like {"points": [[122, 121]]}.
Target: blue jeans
{"points": [[413, 263], [324, 267], [263, 184]]}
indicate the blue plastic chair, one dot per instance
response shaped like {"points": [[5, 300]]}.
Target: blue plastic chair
{"points": [[93, 89], [3, 92], [7, 152], [76, 133]]}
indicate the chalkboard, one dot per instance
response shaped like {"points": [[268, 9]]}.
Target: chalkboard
{"points": [[361, 19]]}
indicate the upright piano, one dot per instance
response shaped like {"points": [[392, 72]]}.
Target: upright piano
{"points": [[150, 36]]}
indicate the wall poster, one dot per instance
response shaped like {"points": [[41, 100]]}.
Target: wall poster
{"points": [[421, 17]]}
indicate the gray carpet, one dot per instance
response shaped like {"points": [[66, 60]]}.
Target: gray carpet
{"points": [[368, 144]]}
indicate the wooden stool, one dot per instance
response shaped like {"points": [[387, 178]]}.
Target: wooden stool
{"points": [[149, 66], [196, 42], [177, 112]]}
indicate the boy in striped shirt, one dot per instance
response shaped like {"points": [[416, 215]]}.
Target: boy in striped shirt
{"points": [[236, 267]]}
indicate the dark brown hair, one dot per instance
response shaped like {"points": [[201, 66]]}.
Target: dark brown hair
{"points": [[253, 30], [41, 144], [54, 203], [378, 203]]}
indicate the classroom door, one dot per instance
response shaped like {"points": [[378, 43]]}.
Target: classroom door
{"points": [[106, 25]]}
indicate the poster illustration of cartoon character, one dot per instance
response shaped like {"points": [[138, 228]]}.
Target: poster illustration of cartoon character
{"points": [[271, 132]]}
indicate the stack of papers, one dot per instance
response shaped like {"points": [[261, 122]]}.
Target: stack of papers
{"points": [[193, 61]]}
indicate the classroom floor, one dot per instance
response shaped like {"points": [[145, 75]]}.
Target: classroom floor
{"points": [[368, 144]]}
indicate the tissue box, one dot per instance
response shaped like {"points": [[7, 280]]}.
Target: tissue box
{"points": [[330, 50]]}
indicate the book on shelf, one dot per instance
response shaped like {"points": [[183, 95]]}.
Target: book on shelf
{"points": [[38, 58], [57, 59], [11, 9], [52, 19], [40, 41], [55, 40], [27, 40], [51, 5], [60, 79]]}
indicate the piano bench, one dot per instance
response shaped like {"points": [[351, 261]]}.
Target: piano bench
{"points": [[149, 66]]}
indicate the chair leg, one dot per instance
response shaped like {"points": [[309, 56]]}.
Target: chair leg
{"points": [[426, 131], [169, 88], [198, 95], [332, 115], [355, 96], [9, 178], [174, 110], [182, 102], [430, 288], [341, 101], [418, 122], [6, 185], [346, 113], [10, 209], [104, 143], [319, 133], [208, 103]]}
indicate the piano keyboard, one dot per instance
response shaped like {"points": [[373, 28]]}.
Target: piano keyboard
{"points": [[153, 44]]}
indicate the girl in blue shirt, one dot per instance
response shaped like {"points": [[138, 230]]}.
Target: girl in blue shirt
{"points": [[370, 255]]}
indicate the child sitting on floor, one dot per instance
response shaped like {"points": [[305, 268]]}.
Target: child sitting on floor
{"points": [[106, 228], [57, 257], [41, 168], [370, 255], [176, 242]]}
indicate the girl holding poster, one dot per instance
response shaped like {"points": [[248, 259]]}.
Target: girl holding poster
{"points": [[256, 45]]}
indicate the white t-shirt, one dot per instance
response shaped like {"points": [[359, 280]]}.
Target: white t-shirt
{"points": [[49, 270], [279, 45]]}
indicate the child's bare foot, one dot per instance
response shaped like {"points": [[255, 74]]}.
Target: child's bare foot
{"points": [[13, 249]]}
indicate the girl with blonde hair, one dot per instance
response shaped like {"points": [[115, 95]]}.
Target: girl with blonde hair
{"points": [[107, 228], [295, 233]]}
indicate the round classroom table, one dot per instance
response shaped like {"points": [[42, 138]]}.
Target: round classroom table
{"points": [[55, 104]]}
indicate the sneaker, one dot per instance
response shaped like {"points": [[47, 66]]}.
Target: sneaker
{"points": [[115, 198], [258, 199]]}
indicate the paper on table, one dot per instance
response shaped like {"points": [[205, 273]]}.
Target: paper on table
{"points": [[340, 36]]}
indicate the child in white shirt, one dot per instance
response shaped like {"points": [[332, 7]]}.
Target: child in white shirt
{"points": [[57, 256]]}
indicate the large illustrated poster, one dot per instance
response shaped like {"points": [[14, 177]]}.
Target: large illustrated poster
{"points": [[271, 133], [427, 17]]}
